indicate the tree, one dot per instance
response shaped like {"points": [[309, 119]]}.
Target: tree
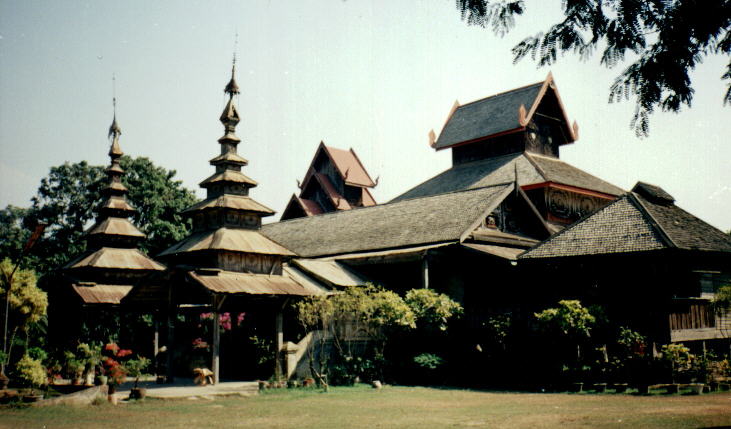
{"points": [[68, 200], [349, 319], [570, 320], [27, 304], [669, 37]]}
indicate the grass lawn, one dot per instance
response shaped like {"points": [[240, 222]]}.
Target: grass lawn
{"points": [[391, 407]]}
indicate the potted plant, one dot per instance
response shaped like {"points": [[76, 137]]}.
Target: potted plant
{"points": [[33, 373], [134, 369], [4, 380], [90, 356], [74, 368]]}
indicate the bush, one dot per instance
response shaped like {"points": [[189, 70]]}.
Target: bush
{"points": [[31, 371], [428, 361]]}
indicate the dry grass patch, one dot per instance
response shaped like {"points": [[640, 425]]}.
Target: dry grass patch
{"points": [[391, 407]]}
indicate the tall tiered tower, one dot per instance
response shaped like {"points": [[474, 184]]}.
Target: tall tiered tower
{"points": [[225, 224]]}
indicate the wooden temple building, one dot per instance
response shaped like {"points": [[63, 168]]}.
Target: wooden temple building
{"points": [[336, 180], [462, 232], [508, 228]]}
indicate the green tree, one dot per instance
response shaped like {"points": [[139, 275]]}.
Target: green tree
{"points": [[349, 319], [432, 308], [159, 199], [27, 303], [668, 37], [13, 234], [570, 320]]}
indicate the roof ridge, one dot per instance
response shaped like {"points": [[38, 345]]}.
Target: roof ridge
{"points": [[504, 92], [536, 166], [655, 223], [359, 209]]}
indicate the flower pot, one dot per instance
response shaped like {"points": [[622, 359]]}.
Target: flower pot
{"points": [[620, 387], [672, 388], [577, 387], [600, 387], [697, 388], [137, 393], [32, 398], [4, 380], [102, 380]]}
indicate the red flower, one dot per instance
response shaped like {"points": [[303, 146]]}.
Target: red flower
{"points": [[124, 352]]}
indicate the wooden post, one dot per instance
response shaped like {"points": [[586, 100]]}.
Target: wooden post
{"points": [[280, 344], [425, 272], [156, 341], [170, 322], [216, 340]]}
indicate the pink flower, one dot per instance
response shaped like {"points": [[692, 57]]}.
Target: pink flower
{"points": [[240, 319]]}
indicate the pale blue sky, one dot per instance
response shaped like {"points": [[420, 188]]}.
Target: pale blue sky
{"points": [[372, 75]]}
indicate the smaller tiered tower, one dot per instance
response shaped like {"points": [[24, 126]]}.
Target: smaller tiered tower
{"points": [[112, 263]]}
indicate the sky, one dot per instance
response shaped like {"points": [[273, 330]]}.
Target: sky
{"points": [[374, 76]]}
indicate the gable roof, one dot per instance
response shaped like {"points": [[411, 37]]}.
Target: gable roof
{"points": [[349, 166], [632, 223], [346, 163], [433, 219], [498, 114], [531, 169]]}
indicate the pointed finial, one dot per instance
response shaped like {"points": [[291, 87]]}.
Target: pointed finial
{"points": [[232, 88], [114, 129]]}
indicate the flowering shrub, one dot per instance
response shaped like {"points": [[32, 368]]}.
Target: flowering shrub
{"points": [[224, 319]]}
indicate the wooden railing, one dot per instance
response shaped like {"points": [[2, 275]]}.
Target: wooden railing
{"points": [[691, 314]]}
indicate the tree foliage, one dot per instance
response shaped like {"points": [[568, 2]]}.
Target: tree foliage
{"points": [[570, 318], [666, 39], [432, 308], [68, 200]]}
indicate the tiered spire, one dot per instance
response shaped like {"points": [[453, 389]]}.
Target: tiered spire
{"points": [[112, 228], [228, 178]]}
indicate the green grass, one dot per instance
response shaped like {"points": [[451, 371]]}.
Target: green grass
{"points": [[392, 407]]}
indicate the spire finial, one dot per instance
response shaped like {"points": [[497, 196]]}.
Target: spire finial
{"points": [[114, 129], [232, 88]]}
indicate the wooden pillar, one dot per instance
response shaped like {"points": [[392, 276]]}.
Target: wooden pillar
{"points": [[170, 346], [215, 367], [279, 344], [425, 272], [156, 341]]}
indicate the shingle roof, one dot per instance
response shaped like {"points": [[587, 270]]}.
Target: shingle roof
{"points": [[238, 202], [115, 226], [230, 282], [556, 171], [633, 224], [488, 116], [115, 258], [531, 169], [101, 294], [234, 239], [433, 219]]}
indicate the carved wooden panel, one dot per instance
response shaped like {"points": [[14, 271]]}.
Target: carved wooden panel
{"points": [[570, 206]]}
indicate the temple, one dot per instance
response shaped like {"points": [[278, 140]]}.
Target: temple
{"points": [[336, 180]]}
